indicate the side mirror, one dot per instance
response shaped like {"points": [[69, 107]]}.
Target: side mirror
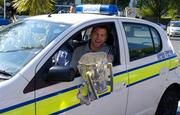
{"points": [[61, 74]]}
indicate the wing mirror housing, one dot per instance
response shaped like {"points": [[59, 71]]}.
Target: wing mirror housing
{"points": [[61, 74]]}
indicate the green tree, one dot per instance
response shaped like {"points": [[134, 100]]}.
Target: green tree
{"points": [[158, 8], [123, 4], [34, 7], [10, 12], [175, 9], [1, 3]]}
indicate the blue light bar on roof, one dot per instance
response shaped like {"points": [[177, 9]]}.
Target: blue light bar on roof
{"points": [[97, 9]]}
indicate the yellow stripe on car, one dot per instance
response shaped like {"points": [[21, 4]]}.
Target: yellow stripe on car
{"points": [[61, 101]]}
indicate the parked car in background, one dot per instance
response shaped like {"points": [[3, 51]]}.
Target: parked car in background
{"points": [[173, 28], [4, 21]]}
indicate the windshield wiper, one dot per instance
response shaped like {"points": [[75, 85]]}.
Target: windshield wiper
{"points": [[4, 78], [5, 73]]}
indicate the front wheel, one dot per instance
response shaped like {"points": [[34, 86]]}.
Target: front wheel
{"points": [[169, 103]]}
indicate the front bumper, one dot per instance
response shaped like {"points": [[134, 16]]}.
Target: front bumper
{"points": [[175, 33]]}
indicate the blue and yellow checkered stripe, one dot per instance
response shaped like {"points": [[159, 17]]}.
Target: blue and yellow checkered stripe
{"points": [[64, 100]]}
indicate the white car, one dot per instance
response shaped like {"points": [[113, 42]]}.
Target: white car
{"points": [[36, 78], [173, 28]]}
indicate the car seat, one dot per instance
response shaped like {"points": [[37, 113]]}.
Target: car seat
{"points": [[64, 55]]}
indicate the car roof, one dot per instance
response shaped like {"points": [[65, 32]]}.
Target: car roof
{"points": [[73, 18], [66, 18]]}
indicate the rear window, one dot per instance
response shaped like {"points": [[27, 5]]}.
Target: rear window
{"points": [[143, 40]]}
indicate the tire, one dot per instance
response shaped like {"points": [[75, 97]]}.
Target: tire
{"points": [[168, 103]]}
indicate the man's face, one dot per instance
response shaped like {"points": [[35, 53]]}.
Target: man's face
{"points": [[98, 37]]}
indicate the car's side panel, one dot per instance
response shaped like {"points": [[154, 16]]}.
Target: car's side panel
{"points": [[147, 78], [14, 101], [48, 104]]}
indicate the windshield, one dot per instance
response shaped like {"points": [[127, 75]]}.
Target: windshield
{"points": [[176, 24], [20, 42]]}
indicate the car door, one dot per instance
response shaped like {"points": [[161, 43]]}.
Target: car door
{"points": [[62, 97], [144, 68], [14, 100]]}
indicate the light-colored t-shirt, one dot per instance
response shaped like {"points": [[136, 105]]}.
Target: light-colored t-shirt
{"points": [[80, 51]]}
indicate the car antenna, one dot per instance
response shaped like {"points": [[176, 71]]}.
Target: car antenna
{"points": [[49, 15]]}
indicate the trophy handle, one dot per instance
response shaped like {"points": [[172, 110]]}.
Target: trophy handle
{"points": [[109, 65], [89, 76]]}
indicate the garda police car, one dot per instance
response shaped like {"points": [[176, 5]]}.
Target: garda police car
{"points": [[36, 78]]}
